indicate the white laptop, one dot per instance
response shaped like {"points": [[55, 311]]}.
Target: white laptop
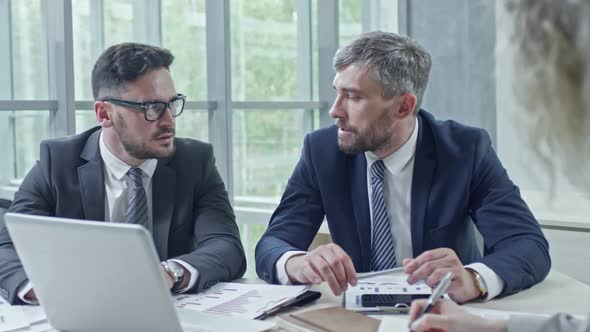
{"points": [[98, 276]]}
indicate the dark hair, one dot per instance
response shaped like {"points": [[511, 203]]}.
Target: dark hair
{"points": [[398, 63], [124, 63]]}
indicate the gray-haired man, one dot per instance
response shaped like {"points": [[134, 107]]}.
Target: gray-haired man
{"points": [[398, 187]]}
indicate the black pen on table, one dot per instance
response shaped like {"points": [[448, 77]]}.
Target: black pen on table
{"points": [[437, 293]]}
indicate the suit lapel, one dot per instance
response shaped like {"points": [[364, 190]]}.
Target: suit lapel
{"points": [[360, 205], [91, 179], [163, 189], [424, 166]]}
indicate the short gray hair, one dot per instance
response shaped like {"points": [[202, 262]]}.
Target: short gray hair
{"points": [[551, 49], [398, 63]]}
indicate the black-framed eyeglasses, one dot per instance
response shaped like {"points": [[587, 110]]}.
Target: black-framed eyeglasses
{"points": [[153, 110]]}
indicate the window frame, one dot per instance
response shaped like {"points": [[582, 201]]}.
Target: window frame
{"points": [[62, 104]]}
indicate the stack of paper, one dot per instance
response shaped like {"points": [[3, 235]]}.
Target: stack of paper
{"points": [[12, 318], [22, 318], [239, 300], [394, 323]]}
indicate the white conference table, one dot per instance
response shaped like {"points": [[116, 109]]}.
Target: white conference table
{"points": [[557, 293]]}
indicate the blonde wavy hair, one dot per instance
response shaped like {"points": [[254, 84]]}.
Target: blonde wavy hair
{"points": [[550, 43]]}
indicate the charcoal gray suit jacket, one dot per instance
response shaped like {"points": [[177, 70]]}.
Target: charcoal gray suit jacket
{"points": [[192, 217]]}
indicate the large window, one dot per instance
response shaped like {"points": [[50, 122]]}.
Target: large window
{"points": [[180, 27], [350, 20], [253, 80], [265, 47], [23, 64]]}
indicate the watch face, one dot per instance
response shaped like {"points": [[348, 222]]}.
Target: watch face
{"points": [[176, 269]]}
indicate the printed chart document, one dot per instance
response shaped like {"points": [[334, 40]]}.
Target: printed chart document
{"points": [[12, 318], [239, 300], [22, 318], [381, 284]]}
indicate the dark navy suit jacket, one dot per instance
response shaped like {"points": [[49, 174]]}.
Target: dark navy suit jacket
{"points": [[457, 177]]}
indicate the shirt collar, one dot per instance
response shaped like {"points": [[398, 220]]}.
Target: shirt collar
{"points": [[398, 160], [120, 168]]}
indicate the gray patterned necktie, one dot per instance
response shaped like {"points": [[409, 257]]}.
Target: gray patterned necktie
{"points": [[137, 210], [382, 249]]}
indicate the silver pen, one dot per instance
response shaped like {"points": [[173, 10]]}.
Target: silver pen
{"points": [[366, 275], [437, 293]]}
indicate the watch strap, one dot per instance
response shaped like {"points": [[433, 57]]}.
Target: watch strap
{"points": [[170, 267], [479, 283]]}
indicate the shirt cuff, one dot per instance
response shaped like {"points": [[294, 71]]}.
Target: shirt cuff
{"points": [[23, 291], [193, 272], [493, 282], [281, 265]]}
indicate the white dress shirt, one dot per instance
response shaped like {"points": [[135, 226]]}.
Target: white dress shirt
{"points": [[398, 191], [118, 188]]}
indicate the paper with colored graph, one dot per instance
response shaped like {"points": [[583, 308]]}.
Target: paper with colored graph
{"points": [[239, 300]]}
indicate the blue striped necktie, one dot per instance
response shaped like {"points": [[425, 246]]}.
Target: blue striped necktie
{"points": [[137, 210], [382, 249]]}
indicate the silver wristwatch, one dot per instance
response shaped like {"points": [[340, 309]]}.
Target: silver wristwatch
{"points": [[175, 271]]}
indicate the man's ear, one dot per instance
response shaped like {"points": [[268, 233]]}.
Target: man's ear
{"points": [[103, 111], [407, 104]]}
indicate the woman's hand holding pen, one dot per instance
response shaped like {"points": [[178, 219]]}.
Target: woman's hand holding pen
{"points": [[448, 316]]}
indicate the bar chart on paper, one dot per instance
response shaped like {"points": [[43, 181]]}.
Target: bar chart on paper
{"points": [[239, 305], [239, 300]]}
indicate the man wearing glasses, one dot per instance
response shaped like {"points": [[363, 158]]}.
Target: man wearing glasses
{"points": [[132, 169]]}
